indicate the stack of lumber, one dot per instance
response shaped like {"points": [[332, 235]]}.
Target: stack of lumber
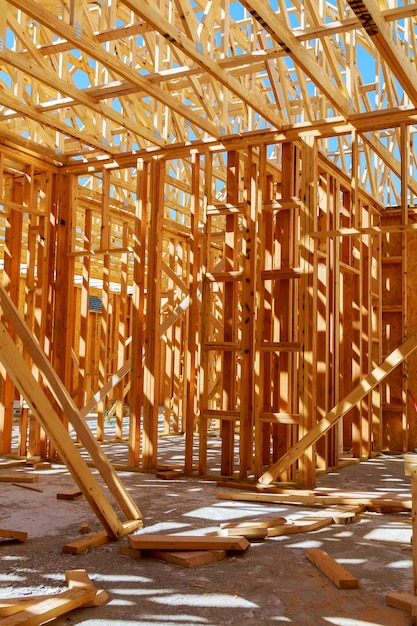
{"points": [[192, 550], [185, 550], [382, 502], [338, 511], [36, 610], [274, 527]]}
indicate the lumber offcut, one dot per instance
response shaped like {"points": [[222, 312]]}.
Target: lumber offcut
{"points": [[401, 600], [16, 535], [187, 558], [45, 610], [383, 502], [70, 494], [333, 570], [79, 579], [88, 543], [186, 542], [18, 477], [10, 606], [300, 525]]}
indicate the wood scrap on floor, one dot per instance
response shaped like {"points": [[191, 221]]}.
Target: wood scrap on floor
{"points": [[303, 524], [28, 487], [186, 542], [44, 610], [169, 474], [372, 502], [79, 579], [42, 465], [254, 528], [256, 522], [76, 580], [342, 514], [186, 550], [10, 606], [275, 527], [186, 558], [69, 494], [401, 600], [252, 533], [18, 477], [37, 463], [332, 569], [87, 543], [13, 535]]}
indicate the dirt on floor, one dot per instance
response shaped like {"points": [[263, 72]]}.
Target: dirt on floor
{"points": [[272, 582]]}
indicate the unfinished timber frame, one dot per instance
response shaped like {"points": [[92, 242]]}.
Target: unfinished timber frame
{"points": [[208, 227]]}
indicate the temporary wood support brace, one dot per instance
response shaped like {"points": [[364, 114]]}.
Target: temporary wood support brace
{"points": [[45, 414], [377, 375]]}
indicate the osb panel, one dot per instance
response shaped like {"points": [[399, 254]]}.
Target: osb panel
{"points": [[391, 284], [392, 431]]}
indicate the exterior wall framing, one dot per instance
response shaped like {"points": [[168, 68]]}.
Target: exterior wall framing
{"points": [[242, 297]]}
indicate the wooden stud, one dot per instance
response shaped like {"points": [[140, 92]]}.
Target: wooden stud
{"points": [[307, 388], [152, 335], [192, 334]]}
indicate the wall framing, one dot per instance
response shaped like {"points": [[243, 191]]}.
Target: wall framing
{"points": [[242, 210]]}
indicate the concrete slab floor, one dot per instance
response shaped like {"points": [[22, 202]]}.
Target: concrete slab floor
{"points": [[271, 583]]}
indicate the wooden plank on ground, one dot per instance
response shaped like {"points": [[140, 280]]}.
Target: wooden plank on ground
{"points": [[342, 514], [401, 600], [70, 494], [250, 532], [132, 552], [46, 610], [333, 570], [187, 558], [186, 542], [79, 579], [10, 606], [377, 375], [300, 525], [395, 501], [17, 535], [87, 543], [258, 522], [29, 487], [17, 477]]}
